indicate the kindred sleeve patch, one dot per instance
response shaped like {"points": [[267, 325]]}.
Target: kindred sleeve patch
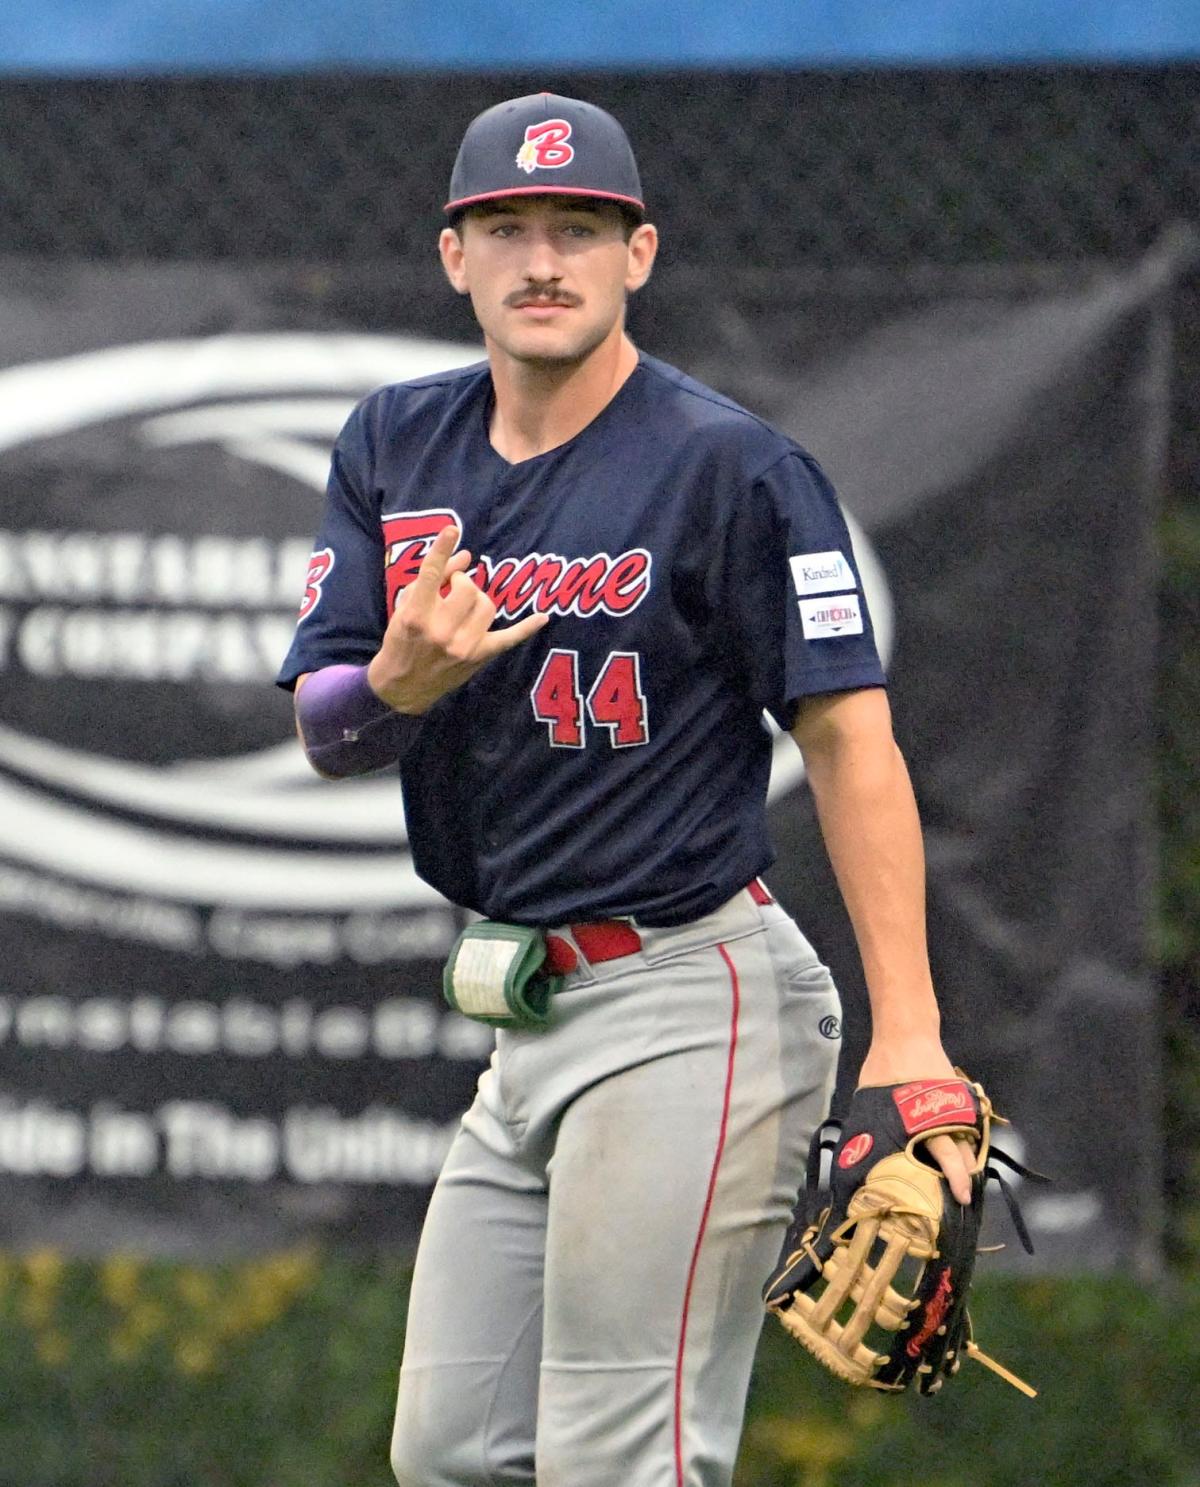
{"points": [[822, 573]]}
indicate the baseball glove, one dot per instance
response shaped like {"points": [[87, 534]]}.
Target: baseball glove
{"points": [[892, 1248]]}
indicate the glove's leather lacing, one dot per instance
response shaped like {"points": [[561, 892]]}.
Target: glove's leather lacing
{"points": [[991, 1173], [973, 1350]]}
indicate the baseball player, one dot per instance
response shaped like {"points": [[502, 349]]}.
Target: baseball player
{"points": [[562, 588]]}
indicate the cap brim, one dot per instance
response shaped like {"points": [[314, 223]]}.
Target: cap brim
{"points": [[470, 201]]}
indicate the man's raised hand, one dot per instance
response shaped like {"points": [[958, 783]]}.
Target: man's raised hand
{"points": [[441, 632]]}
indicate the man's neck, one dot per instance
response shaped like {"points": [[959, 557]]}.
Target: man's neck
{"points": [[539, 407]]}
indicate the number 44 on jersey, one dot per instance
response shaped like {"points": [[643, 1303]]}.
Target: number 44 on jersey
{"points": [[614, 701]]}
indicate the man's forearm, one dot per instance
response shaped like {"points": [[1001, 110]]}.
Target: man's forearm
{"points": [[872, 833], [346, 730]]}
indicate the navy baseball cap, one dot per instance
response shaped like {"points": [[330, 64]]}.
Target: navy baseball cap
{"points": [[542, 145]]}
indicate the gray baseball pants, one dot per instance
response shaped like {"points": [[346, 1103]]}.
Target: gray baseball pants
{"points": [[585, 1306]]}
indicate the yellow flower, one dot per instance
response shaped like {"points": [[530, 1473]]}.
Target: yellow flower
{"points": [[124, 1345], [52, 1348], [293, 1270], [866, 1408], [195, 1355], [813, 1443], [198, 1288], [146, 1318], [267, 1287], [119, 1276], [231, 1319], [44, 1268], [35, 1308]]}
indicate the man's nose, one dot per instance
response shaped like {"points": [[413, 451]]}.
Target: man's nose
{"points": [[542, 264]]}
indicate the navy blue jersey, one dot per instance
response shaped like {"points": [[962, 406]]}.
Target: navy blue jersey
{"points": [[697, 571]]}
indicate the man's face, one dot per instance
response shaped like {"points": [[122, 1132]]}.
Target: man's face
{"points": [[547, 275]]}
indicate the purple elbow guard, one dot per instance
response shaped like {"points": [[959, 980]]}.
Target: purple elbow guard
{"points": [[346, 729]]}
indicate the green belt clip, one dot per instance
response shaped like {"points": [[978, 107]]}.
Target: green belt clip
{"points": [[494, 974]]}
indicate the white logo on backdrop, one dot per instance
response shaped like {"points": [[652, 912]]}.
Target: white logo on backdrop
{"points": [[278, 401]]}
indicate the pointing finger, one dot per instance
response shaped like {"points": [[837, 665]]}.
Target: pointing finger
{"points": [[496, 642]]}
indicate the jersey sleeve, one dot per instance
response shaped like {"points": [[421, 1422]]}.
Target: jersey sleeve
{"points": [[343, 611], [790, 601]]}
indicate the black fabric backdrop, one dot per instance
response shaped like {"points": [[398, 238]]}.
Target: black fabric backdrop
{"points": [[219, 1024]]}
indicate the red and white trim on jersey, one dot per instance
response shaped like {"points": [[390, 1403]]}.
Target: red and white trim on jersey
{"points": [[735, 996]]}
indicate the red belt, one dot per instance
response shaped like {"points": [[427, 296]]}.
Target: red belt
{"points": [[610, 939]]}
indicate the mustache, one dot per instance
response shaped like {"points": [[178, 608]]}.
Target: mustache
{"points": [[548, 296]]}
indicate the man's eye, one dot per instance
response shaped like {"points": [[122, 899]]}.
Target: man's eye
{"points": [[504, 229], [580, 229]]}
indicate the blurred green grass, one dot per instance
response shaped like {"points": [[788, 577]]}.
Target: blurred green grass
{"points": [[281, 1373]]}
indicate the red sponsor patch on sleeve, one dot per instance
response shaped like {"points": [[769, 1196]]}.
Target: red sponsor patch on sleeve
{"points": [[934, 1102]]}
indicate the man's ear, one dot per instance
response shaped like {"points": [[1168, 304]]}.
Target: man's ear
{"points": [[450, 248], [643, 248]]}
